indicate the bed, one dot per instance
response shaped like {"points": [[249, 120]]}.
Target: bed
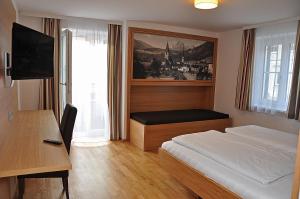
{"points": [[148, 130], [245, 168]]}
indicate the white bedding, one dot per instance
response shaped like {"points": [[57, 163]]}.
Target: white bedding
{"points": [[258, 160], [237, 183], [284, 140]]}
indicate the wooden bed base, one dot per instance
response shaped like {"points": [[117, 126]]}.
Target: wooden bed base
{"points": [[203, 186], [150, 137]]}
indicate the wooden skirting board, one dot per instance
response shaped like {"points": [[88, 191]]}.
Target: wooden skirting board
{"points": [[193, 179], [150, 137]]}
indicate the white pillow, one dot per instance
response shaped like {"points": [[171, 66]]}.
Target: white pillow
{"points": [[284, 140]]}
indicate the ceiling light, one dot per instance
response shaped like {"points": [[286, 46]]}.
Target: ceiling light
{"points": [[205, 4]]}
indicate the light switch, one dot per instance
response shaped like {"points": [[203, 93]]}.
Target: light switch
{"points": [[10, 116]]}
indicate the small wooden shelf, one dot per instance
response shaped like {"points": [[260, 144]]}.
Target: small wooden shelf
{"points": [[171, 83]]}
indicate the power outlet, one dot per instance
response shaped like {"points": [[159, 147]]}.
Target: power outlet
{"points": [[10, 116]]}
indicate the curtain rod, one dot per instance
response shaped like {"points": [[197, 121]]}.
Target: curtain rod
{"points": [[272, 23], [48, 15]]}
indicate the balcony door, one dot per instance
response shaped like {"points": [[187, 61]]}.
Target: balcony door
{"points": [[89, 81]]}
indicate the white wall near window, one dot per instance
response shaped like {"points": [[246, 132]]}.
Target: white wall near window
{"points": [[273, 67]]}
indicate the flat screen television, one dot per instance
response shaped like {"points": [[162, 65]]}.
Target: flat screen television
{"points": [[32, 54]]}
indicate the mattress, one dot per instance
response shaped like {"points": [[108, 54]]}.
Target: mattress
{"points": [[176, 116], [229, 178]]}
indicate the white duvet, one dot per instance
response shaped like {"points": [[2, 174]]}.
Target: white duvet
{"points": [[260, 161]]}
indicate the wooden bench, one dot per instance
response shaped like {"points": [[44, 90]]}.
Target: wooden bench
{"points": [[149, 137]]}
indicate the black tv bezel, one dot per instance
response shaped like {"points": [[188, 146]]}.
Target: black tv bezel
{"points": [[20, 77]]}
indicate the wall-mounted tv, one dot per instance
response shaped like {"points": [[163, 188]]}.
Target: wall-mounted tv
{"points": [[32, 54]]}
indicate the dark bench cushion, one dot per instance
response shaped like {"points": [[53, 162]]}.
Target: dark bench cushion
{"points": [[176, 116]]}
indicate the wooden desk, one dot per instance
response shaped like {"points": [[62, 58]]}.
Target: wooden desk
{"points": [[22, 150]]}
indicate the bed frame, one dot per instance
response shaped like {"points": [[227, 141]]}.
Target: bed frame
{"points": [[208, 188], [150, 137], [203, 186]]}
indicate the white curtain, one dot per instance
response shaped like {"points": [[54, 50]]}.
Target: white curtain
{"points": [[89, 80], [273, 62]]}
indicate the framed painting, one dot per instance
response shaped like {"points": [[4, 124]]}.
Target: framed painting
{"points": [[167, 56]]}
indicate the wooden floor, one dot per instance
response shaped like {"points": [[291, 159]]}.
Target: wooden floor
{"points": [[116, 170]]}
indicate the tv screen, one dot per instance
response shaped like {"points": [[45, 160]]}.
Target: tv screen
{"points": [[32, 54]]}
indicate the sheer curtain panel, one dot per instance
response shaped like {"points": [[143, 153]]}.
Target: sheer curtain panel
{"points": [[273, 67], [89, 79]]}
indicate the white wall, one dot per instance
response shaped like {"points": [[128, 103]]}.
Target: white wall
{"points": [[28, 92], [179, 29], [228, 63]]}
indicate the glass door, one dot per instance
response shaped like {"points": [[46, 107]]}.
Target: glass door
{"points": [[89, 73], [65, 73], [85, 83]]}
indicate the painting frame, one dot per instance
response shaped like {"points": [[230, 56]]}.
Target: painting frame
{"points": [[132, 31]]}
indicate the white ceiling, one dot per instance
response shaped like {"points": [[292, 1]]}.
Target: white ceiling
{"points": [[230, 14]]}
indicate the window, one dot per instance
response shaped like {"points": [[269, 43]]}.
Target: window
{"points": [[273, 67]]}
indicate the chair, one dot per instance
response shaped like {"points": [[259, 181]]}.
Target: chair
{"points": [[66, 128]]}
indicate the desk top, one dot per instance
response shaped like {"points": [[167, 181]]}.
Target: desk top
{"points": [[22, 150]]}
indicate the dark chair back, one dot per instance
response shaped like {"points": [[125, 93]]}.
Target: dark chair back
{"points": [[67, 125], [64, 117]]}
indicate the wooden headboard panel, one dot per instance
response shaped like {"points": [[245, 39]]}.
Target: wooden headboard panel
{"points": [[8, 96], [160, 98], [158, 95]]}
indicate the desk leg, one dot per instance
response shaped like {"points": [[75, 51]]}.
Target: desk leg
{"points": [[8, 187]]}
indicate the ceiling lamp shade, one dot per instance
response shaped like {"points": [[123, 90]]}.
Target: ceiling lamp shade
{"points": [[205, 4]]}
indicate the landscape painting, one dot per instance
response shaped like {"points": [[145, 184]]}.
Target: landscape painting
{"points": [[157, 57]]}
